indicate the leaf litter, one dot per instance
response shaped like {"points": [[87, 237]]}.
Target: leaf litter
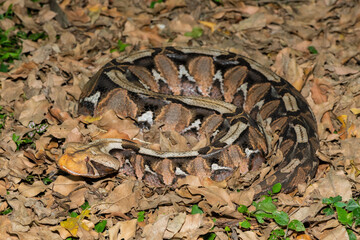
{"points": [[314, 45]]}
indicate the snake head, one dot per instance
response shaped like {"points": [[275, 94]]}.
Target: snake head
{"points": [[88, 161]]}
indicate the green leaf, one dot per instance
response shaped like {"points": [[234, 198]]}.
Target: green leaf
{"points": [[352, 205], [312, 50], [209, 236], [338, 198], [266, 205], [15, 137], [340, 204], [245, 224], [227, 229], [4, 67], [357, 222], [261, 215], [276, 188], [328, 211], [272, 237], [141, 216], [296, 225], [120, 46], [152, 4], [195, 33], [8, 14], [100, 226], [278, 233], [36, 36], [326, 201], [73, 214], [356, 212], [351, 234], [331, 200], [30, 178], [243, 209], [85, 205], [281, 218], [344, 217], [6, 211], [47, 180], [217, 1], [196, 210]]}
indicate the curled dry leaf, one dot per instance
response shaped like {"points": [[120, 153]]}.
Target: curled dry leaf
{"points": [[109, 120], [11, 90], [335, 233], [33, 110], [62, 131], [194, 226], [123, 230], [66, 185], [335, 183], [33, 189], [218, 198], [121, 199], [157, 229]]}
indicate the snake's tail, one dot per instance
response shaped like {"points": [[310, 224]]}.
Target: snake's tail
{"points": [[298, 166]]}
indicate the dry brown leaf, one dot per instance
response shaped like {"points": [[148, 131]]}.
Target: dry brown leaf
{"points": [[66, 185], [11, 90], [33, 110], [109, 120], [304, 213], [335, 183], [4, 227], [77, 198], [218, 198], [123, 230], [157, 229], [3, 191], [174, 225], [169, 198], [45, 15], [121, 199], [63, 130], [244, 197], [182, 23], [319, 92], [20, 215], [33, 189], [336, 233], [194, 226], [78, 14], [74, 136], [113, 133], [343, 70], [173, 141], [247, 235]]}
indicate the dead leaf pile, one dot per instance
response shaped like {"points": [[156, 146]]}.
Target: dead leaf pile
{"points": [[312, 44]]}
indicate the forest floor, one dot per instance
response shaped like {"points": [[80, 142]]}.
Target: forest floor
{"points": [[49, 53]]}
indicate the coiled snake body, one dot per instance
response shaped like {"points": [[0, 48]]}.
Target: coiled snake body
{"points": [[244, 112]]}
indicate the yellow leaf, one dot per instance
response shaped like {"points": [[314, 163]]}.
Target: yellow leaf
{"points": [[95, 8], [210, 25], [342, 119], [355, 111], [72, 223], [298, 84], [352, 131], [90, 119]]}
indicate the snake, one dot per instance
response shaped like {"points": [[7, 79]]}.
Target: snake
{"points": [[239, 112]]}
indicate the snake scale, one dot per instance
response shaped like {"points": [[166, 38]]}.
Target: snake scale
{"points": [[242, 111]]}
